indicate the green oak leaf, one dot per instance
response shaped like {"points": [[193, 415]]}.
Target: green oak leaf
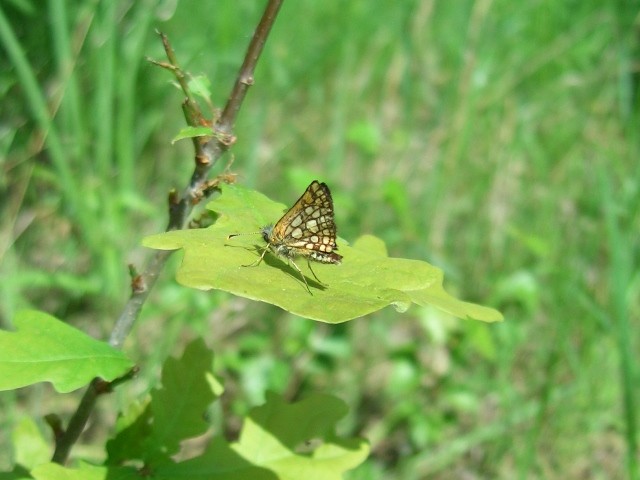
{"points": [[44, 349], [133, 428], [178, 406], [190, 132], [85, 471], [278, 442], [18, 473], [152, 430], [29, 445], [366, 281]]}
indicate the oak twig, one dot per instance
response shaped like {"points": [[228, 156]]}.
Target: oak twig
{"points": [[208, 151]]}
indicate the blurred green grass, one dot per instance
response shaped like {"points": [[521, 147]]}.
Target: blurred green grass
{"points": [[480, 136]]}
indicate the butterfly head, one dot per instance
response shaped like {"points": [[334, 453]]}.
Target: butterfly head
{"points": [[266, 232]]}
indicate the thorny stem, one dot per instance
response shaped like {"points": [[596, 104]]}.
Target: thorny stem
{"points": [[207, 153]]}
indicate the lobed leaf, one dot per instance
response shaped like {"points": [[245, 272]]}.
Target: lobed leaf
{"points": [[44, 349], [274, 442], [366, 281], [54, 471], [178, 407], [152, 430], [269, 444]]}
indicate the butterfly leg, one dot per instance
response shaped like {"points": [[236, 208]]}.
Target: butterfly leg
{"points": [[314, 273], [257, 262], [301, 275]]}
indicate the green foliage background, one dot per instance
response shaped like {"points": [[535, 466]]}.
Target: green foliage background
{"points": [[497, 140]]}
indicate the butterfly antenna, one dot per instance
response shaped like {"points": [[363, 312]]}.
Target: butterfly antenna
{"points": [[240, 234]]}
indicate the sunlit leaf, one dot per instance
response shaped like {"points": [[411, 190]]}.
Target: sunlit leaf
{"points": [[280, 441], [44, 349], [190, 132], [54, 471], [366, 281]]}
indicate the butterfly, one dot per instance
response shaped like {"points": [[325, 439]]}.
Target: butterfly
{"points": [[307, 230]]}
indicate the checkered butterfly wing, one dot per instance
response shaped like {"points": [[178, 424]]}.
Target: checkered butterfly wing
{"points": [[309, 226]]}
